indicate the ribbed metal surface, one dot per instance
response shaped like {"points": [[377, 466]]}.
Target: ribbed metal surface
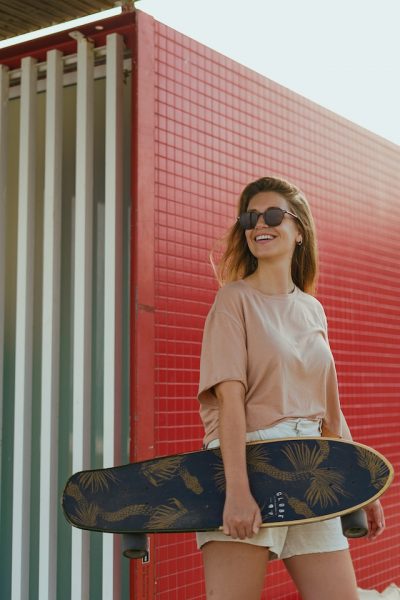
{"points": [[21, 16]]}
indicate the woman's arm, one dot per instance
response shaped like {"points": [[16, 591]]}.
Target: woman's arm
{"points": [[376, 519], [242, 516]]}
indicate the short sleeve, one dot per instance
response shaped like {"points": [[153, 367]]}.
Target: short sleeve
{"points": [[223, 354], [345, 431], [323, 319]]}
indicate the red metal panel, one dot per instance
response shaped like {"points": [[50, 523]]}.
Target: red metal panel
{"points": [[218, 125]]}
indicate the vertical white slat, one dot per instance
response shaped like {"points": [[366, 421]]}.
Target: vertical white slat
{"points": [[50, 330], [24, 334], [4, 89], [82, 359], [113, 294]]}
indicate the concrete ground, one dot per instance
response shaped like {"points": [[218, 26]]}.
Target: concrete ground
{"points": [[392, 592]]}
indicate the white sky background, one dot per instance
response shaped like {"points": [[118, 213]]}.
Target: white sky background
{"points": [[342, 54]]}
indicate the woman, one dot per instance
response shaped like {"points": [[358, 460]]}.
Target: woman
{"points": [[267, 372]]}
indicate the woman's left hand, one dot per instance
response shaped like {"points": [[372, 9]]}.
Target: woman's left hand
{"points": [[376, 519]]}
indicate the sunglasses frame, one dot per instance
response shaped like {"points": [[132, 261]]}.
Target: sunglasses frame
{"points": [[258, 215]]}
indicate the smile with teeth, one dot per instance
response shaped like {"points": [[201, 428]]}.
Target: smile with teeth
{"points": [[264, 236]]}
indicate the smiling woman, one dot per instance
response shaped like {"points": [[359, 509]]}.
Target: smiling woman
{"points": [[284, 207], [267, 371], [269, 238]]}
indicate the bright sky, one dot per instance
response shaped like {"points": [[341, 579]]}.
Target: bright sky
{"points": [[342, 54]]}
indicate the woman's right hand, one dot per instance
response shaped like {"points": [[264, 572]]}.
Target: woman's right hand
{"points": [[242, 516]]}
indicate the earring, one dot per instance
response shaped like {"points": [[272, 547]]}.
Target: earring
{"points": [[299, 243]]}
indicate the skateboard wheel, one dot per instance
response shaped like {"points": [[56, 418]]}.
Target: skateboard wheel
{"points": [[135, 545], [355, 524]]}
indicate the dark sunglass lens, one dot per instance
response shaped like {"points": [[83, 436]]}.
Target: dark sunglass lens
{"points": [[248, 220], [273, 216]]}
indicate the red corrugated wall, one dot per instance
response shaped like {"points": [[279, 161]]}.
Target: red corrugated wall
{"points": [[214, 126]]}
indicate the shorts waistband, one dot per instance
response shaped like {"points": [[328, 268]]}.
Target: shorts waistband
{"points": [[296, 427], [297, 424]]}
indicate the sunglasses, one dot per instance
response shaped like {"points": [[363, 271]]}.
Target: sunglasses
{"points": [[272, 217]]}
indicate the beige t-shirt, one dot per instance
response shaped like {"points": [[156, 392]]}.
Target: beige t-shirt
{"points": [[277, 346]]}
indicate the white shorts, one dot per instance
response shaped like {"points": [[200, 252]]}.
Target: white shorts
{"points": [[284, 542]]}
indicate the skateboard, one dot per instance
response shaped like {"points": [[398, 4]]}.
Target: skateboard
{"points": [[299, 480]]}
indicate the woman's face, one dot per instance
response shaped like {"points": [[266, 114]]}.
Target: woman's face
{"points": [[272, 242]]}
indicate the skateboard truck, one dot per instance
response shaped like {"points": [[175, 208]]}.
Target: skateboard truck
{"points": [[355, 524], [135, 545]]}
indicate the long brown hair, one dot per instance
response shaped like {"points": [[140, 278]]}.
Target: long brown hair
{"points": [[237, 262]]}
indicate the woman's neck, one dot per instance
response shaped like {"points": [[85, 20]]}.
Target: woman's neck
{"points": [[271, 281]]}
